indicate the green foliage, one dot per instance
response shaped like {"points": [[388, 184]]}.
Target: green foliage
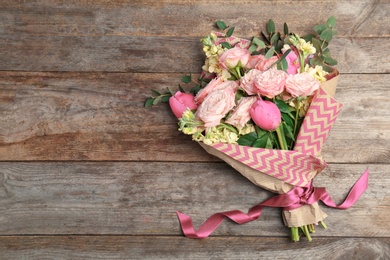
{"points": [[221, 25], [325, 33], [158, 97]]}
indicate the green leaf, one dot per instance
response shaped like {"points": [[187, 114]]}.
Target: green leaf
{"points": [[270, 26], [262, 141], [186, 79], [282, 65], [156, 92], [149, 102], [165, 99], [221, 25], [288, 131], [317, 44], [230, 32], [248, 139], [275, 38], [181, 89], [157, 100], [270, 52], [226, 45], [260, 132], [326, 35], [253, 48], [269, 144], [287, 119], [283, 107], [285, 29], [258, 42], [330, 61], [319, 28], [331, 22]]}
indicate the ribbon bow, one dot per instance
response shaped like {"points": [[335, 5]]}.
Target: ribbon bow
{"points": [[294, 199]]}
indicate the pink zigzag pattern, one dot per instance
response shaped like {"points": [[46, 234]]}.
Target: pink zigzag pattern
{"points": [[290, 166], [317, 123]]}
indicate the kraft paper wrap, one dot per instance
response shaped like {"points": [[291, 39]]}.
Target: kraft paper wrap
{"points": [[307, 214]]}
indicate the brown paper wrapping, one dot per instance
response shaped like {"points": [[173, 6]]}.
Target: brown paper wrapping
{"points": [[305, 215]]}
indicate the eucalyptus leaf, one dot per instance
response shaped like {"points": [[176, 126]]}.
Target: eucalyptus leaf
{"points": [[319, 28], [149, 102], [331, 22], [282, 65], [258, 42], [285, 29], [270, 52], [157, 100], [156, 92], [226, 45], [186, 79], [326, 35], [252, 48], [270, 26], [230, 32], [221, 25], [165, 99], [275, 38]]}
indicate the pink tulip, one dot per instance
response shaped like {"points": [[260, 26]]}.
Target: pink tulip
{"points": [[180, 102], [266, 115]]}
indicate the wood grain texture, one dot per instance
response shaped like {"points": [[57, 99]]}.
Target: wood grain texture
{"points": [[100, 116], [155, 54], [358, 18], [86, 172], [162, 247], [142, 198]]}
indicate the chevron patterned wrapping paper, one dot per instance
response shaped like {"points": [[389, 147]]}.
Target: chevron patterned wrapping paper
{"points": [[299, 166]]}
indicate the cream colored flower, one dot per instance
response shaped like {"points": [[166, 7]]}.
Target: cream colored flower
{"points": [[317, 72]]}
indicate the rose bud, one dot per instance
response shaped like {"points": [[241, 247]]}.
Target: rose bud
{"points": [[266, 115], [180, 102]]}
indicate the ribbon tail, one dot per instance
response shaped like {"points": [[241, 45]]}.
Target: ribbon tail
{"points": [[214, 221], [357, 190]]}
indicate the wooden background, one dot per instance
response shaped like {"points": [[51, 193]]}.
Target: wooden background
{"points": [[87, 172]]}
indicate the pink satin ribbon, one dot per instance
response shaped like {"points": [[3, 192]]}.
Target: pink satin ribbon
{"points": [[294, 199]]}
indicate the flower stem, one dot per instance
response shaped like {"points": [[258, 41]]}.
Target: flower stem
{"points": [[281, 137], [294, 234], [296, 117]]}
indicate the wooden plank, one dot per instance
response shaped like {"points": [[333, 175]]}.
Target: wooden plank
{"points": [[155, 54], [135, 198], [160, 247], [100, 116], [175, 18]]}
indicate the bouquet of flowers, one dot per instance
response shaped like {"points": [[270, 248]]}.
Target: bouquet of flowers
{"points": [[265, 106]]}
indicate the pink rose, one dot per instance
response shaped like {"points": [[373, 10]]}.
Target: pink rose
{"points": [[200, 96], [270, 83], [293, 63], [302, 84], [215, 84], [230, 58], [266, 115], [261, 63], [215, 107], [246, 82], [240, 115], [180, 102]]}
